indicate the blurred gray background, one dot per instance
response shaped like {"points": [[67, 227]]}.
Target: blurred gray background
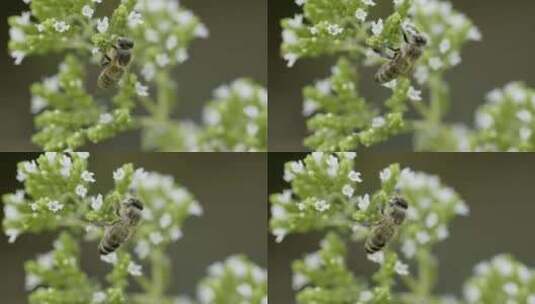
{"points": [[505, 54], [498, 188], [230, 187], [236, 47]]}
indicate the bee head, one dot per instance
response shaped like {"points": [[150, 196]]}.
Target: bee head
{"points": [[399, 202], [420, 40], [133, 202], [125, 43]]}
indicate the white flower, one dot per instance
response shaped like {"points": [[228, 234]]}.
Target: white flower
{"points": [[201, 31], [378, 257], [414, 95], [148, 71], [442, 232], [118, 174], [31, 167], [291, 58], [102, 25], [251, 111], [423, 237], [363, 202], [38, 103], [18, 56], [96, 202], [510, 288], [175, 234], [87, 11], [141, 90], [54, 206], [195, 209], [300, 2], [142, 249], [435, 63], [88, 176], [99, 297], [524, 115], [61, 26], [134, 269], [454, 58], [17, 34], [444, 46], [355, 176], [299, 280], [350, 155], [322, 205], [431, 220], [378, 122], [474, 34], [245, 290], [334, 29], [385, 175], [377, 27], [531, 299], [156, 238], [401, 268], [462, 209], [368, 2], [81, 191], [97, 1], [348, 191], [391, 84], [398, 2], [110, 258], [12, 234], [32, 281], [166, 220], [361, 15], [279, 234], [365, 296], [472, 294], [105, 118], [171, 42], [162, 60], [409, 248], [134, 19]]}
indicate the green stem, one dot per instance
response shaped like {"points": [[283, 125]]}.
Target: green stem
{"points": [[154, 288], [166, 95]]}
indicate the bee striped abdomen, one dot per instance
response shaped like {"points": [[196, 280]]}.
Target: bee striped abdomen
{"points": [[110, 76], [380, 235], [114, 236]]}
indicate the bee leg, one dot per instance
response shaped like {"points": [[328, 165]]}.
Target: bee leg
{"points": [[105, 60], [385, 54], [405, 36]]}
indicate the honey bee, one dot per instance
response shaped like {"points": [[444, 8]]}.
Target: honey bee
{"points": [[115, 62], [384, 230], [119, 231], [402, 60]]}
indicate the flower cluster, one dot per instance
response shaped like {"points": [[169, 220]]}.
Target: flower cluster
{"points": [[501, 280], [324, 275], [503, 123], [57, 196], [235, 280], [325, 196], [322, 195], [506, 122], [236, 120], [432, 206], [69, 115], [341, 119], [166, 32]]}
